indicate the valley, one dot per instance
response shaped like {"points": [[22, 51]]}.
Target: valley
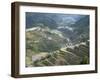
{"points": [[55, 40]]}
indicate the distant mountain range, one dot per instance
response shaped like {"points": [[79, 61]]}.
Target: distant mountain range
{"points": [[52, 20]]}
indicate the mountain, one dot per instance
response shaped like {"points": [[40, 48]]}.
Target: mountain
{"points": [[51, 20], [40, 19], [81, 30], [56, 39], [44, 40], [46, 47]]}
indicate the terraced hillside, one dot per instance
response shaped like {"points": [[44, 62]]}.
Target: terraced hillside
{"points": [[42, 41], [45, 48], [54, 39], [65, 56]]}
